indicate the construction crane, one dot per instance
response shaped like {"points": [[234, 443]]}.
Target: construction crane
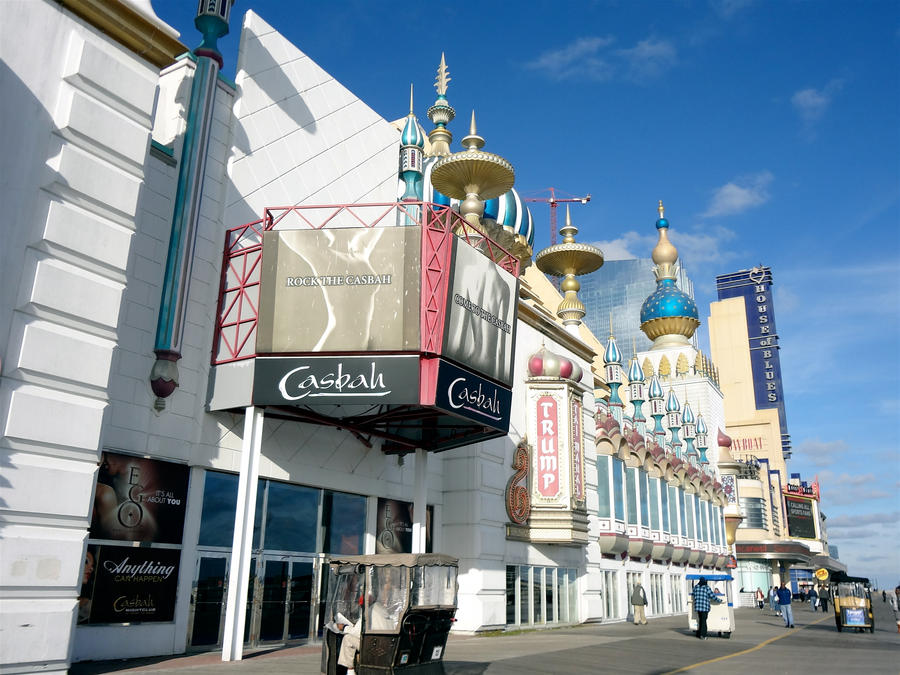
{"points": [[555, 201]]}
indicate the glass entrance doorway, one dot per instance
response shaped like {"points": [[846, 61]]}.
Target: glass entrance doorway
{"points": [[281, 601]]}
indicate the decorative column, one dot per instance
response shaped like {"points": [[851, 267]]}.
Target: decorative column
{"points": [[689, 432], [673, 421], [657, 411], [212, 22], [554, 416], [569, 260], [613, 366], [636, 394]]}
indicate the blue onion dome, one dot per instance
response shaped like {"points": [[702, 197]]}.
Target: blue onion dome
{"points": [[669, 315], [611, 355], [687, 415], [701, 425], [635, 374], [413, 134], [672, 404], [509, 211], [655, 390]]}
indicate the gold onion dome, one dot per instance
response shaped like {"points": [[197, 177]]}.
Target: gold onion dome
{"points": [[669, 315], [569, 259]]}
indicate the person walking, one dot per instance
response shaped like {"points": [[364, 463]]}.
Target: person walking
{"points": [[883, 595], [823, 597], [638, 601], [784, 602], [813, 598], [895, 606], [773, 599], [760, 598], [703, 599]]}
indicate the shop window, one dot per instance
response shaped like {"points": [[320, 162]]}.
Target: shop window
{"points": [[343, 520], [540, 595], [632, 495], [619, 488], [603, 486], [291, 516]]}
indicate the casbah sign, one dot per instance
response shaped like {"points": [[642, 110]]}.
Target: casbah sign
{"points": [[465, 394], [321, 380]]}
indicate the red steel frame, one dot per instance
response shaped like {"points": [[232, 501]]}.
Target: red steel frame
{"points": [[238, 303]]}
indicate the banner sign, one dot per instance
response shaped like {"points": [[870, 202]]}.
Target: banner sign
{"points": [[465, 394], [482, 303], [339, 290], [802, 490], [320, 380], [139, 499], [547, 471], [124, 585], [394, 525], [800, 517]]}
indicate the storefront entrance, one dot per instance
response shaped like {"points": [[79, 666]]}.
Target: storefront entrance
{"points": [[282, 602]]}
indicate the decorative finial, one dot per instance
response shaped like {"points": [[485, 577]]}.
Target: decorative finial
{"points": [[633, 347], [443, 77], [473, 141], [441, 114], [661, 209], [410, 98], [610, 322]]}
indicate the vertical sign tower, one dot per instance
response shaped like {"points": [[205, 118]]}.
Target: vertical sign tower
{"points": [[755, 286]]}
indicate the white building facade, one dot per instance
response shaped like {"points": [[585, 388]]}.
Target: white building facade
{"points": [[143, 483]]}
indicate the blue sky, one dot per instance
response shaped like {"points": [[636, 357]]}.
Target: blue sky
{"points": [[771, 130]]}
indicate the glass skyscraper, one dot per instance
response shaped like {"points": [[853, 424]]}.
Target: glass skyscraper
{"points": [[620, 287]]}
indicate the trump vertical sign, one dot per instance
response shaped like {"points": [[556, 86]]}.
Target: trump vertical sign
{"points": [[548, 436]]}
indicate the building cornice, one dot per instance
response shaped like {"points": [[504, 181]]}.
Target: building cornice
{"points": [[129, 28]]}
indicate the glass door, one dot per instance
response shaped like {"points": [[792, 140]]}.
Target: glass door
{"points": [[208, 600], [285, 608]]}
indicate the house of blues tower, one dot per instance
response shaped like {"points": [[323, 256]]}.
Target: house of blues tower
{"points": [[206, 393]]}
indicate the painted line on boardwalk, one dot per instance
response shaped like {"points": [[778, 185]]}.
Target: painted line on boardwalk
{"points": [[745, 651]]}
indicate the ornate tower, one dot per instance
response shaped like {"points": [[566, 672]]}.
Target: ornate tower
{"points": [[673, 421], [669, 316], [569, 260]]}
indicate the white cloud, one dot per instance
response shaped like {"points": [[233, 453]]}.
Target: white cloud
{"points": [[812, 103], [741, 194], [624, 247], [822, 453], [855, 521], [587, 58], [703, 245], [581, 59], [648, 58], [728, 8]]}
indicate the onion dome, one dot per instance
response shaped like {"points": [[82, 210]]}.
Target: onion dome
{"points": [[544, 363], [412, 140], [635, 373], [510, 212], [672, 404], [656, 390], [723, 439], [669, 315], [687, 415]]}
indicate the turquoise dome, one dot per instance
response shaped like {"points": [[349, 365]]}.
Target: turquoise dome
{"points": [[508, 209], [668, 301]]}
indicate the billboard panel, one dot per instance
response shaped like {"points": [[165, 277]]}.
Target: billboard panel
{"points": [[139, 499], [320, 380], [480, 328], [468, 395], [394, 526], [122, 584], [339, 290], [801, 517]]}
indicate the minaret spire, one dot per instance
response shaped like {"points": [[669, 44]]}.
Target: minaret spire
{"points": [[412, 142], [441, 114]]}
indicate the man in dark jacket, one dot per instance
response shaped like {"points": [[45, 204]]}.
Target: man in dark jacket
{"points": [[784, 603], [639, 600]]}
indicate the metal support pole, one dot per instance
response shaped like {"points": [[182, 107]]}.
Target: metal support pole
{"points": [[420, 497], [244, 514]]}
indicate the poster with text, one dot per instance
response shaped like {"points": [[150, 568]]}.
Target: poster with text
{"points": [[139, 499], [800, 517], [124, 584], [394, 525]]}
